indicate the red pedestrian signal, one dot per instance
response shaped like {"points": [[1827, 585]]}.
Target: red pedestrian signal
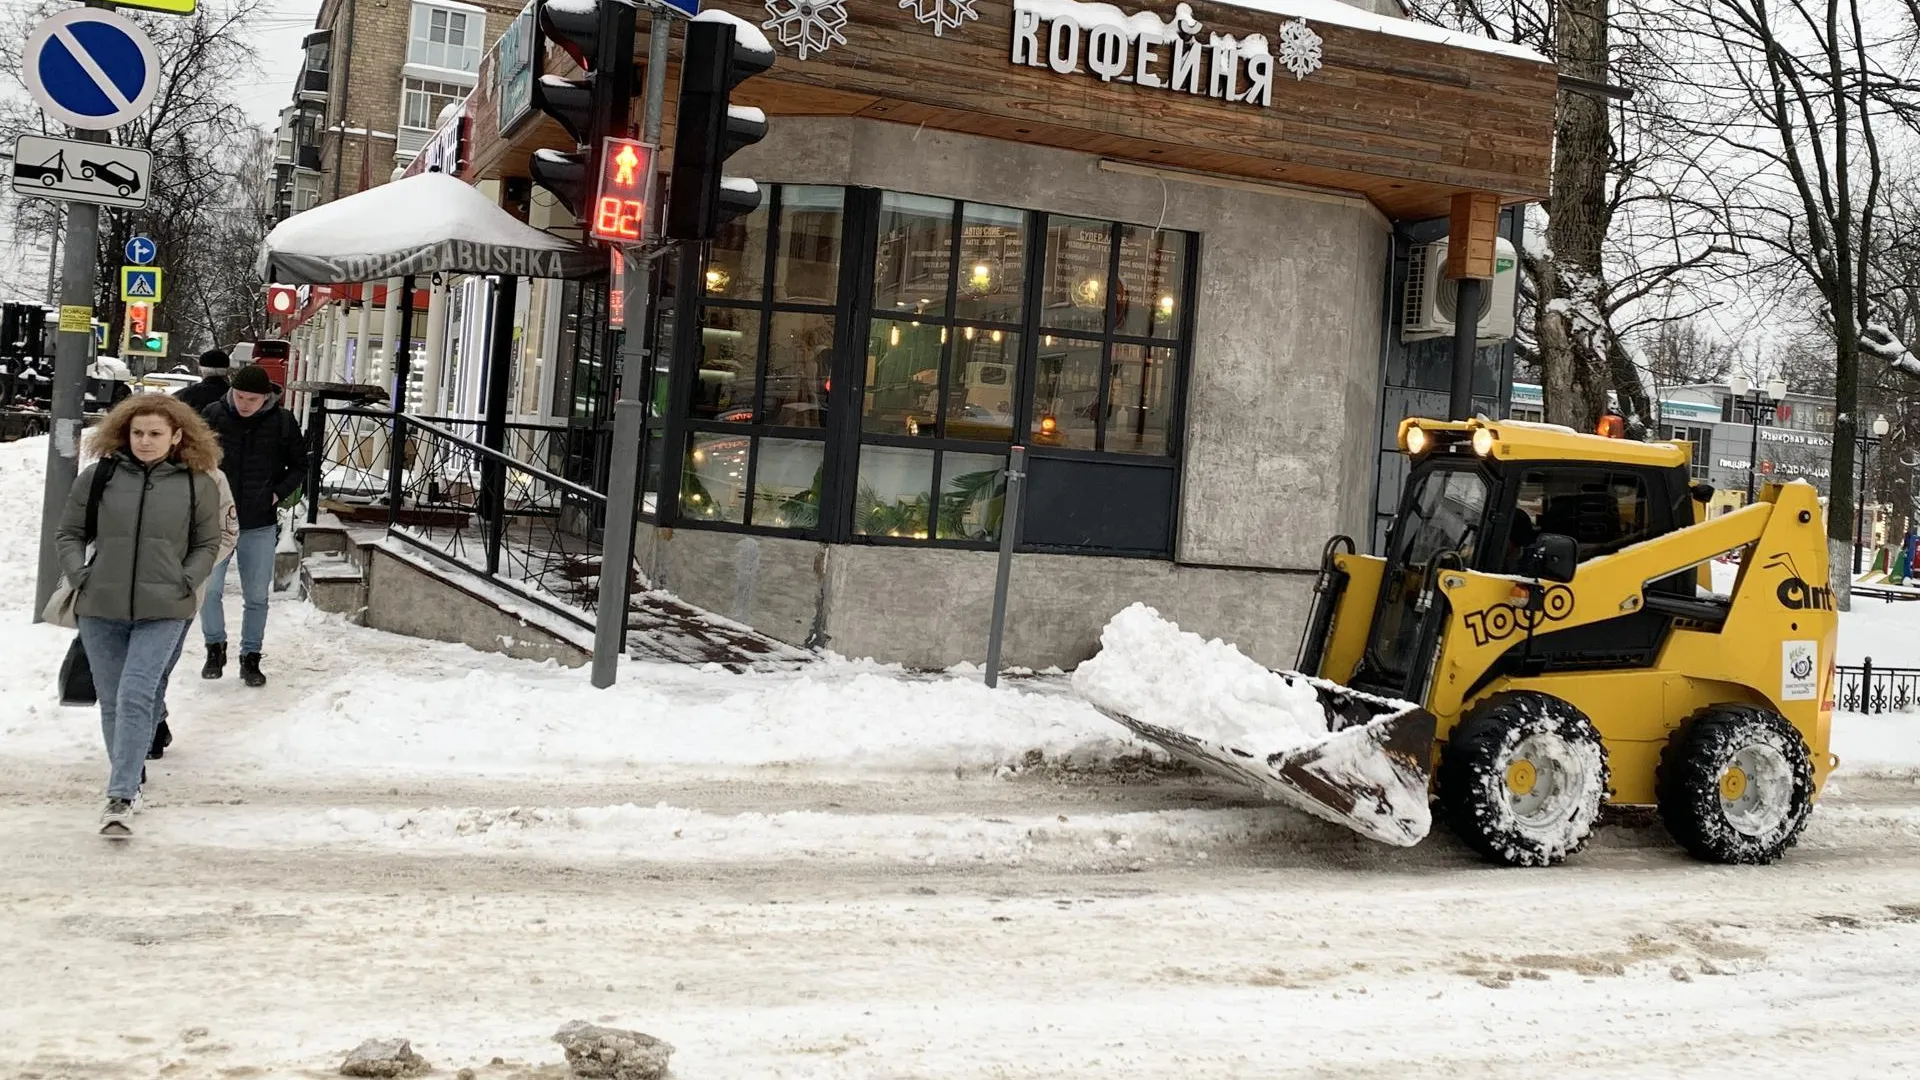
{"points": [[620, 199]]}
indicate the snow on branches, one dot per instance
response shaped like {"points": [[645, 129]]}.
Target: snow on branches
{"points": [[1881, 342]]}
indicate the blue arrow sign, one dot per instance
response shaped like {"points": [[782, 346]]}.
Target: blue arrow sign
{"points": [[140, 251], [90, 68]]}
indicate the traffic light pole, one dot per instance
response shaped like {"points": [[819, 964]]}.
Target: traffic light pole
{"points": [[629, 411], [71, 351]]}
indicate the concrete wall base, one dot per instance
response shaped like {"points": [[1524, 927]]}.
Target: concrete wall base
{"points": [[931, 608], [407, 596]]}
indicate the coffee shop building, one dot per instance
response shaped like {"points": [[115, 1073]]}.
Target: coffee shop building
{"points": [[1164, 247]]}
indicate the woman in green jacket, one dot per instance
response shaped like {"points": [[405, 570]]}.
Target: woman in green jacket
{"points": [[136, 546]]}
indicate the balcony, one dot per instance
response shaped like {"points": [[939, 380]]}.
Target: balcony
{"points": [[307, 157], [313, 84]]}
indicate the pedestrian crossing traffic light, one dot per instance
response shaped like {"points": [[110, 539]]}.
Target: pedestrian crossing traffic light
{"points": [[598, 34], [721, 53], [140, 336]]}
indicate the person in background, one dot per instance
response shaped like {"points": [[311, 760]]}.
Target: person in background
{"points": [[135, 545], [265, 459], [213, 381], [229, 536]]}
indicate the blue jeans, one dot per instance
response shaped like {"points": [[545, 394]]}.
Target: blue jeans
{"points": [[255, 552], [129, 658], [160, 711]]}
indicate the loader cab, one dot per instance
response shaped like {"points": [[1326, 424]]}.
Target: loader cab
{"points": [[1471, 511]]}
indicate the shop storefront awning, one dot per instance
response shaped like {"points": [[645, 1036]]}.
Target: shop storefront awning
{"points": [[426, 224]]}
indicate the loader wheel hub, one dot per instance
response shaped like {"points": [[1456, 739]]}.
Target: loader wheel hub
{"points": [[1733, 784], [1522, 777]]}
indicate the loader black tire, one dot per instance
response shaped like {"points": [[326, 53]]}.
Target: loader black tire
{"points": [[1771, 795], [1480, 766]]}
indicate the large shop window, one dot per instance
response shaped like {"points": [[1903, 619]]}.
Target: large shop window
{"points": [[866, 359], [768, 327]]}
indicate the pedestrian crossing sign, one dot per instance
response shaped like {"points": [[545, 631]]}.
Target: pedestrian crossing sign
{"points": [[99, 336], [140, 283]]}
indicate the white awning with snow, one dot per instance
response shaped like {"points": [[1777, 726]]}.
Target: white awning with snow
{"points": [[419, 225]]}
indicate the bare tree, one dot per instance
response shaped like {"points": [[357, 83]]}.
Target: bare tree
{"points": [[1633, 222], [205, 160], [1794, 91]]}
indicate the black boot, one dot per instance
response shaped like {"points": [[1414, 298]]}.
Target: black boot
{"points": [[250, 669], [162, 738], [216, 665]]}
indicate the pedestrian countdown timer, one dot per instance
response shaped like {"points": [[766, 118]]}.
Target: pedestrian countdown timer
{"points": [[620, 199]]}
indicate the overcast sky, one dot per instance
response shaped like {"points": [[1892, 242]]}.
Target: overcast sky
{"points": [[276, 37]]}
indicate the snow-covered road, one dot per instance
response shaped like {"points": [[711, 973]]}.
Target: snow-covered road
{"points": [[1108, 950], [850, 872]]}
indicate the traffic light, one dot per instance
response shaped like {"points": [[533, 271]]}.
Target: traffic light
{"points": [[709, 129], [140, 335], [598, 34]]}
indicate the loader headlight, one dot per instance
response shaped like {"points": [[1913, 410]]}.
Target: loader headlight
{"points": [[1417, 440], [1483, 442]]}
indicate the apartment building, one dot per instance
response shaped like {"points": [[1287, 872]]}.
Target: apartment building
{"points": [[375, 78]]}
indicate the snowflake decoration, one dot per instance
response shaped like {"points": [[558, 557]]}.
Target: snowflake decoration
{"points": [[812, 26], [943, 14], [1299, 48]]}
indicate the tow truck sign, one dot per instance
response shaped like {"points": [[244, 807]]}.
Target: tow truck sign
{"points": [[78, 171]]}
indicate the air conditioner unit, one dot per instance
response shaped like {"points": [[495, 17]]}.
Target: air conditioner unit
{"points": [[1428, 308]]}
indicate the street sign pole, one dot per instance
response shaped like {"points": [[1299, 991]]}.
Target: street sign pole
{"points": [[629, 411], [71, 351]]}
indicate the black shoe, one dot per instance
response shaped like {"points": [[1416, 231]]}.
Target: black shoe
{"points": [[216, 665], [250, 669], [162, 738]]}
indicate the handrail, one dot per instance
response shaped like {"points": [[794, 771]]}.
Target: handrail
{"points": [[505, 459]]}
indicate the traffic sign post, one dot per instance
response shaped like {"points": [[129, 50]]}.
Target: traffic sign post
{"points": [[140, 283], [77, 170], [90, 68], [141, 251]]}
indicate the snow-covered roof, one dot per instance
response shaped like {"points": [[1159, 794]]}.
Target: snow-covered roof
{"points": [[1340, 14], [424, 224]]}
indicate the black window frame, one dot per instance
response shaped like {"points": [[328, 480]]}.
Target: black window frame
{"points": [[854, 316]]}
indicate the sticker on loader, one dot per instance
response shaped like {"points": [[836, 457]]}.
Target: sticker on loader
{"points": [[1498, 622], [1798, 660]]}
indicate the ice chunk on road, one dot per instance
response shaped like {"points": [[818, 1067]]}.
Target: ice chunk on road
{"points": [[1150, 669]]}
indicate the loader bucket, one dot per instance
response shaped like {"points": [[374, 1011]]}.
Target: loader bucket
{"points": [[1370, 774]]}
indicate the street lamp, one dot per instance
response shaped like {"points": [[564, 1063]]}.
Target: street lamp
{"points": [[1880, 429], [1760, 405]]}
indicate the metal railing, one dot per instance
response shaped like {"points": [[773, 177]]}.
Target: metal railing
{"points": [[507, 515], [493, 515], [1870, 689]]}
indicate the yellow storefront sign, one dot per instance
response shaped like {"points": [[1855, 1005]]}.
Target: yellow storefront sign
{"points": [[75, 319]]}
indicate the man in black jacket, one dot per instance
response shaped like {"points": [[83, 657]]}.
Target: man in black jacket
{"points": [[213, 381], [265, 459]]}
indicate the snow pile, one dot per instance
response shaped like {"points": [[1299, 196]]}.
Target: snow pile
{"points": [[1151, 670], [346, 700]]}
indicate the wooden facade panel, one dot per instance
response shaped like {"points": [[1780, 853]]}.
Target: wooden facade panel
{"points": [[1407, 123], [1430, 119]]}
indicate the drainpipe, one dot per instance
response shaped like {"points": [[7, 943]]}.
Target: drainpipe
{"points": [[363, 320], [346, 81], [390, 332], [436, 348]]}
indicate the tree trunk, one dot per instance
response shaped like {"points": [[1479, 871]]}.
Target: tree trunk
{"points": [[1574, 345]]}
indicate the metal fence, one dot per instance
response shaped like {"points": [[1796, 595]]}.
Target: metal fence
{"points": [[1870, 689], [508, 515]]}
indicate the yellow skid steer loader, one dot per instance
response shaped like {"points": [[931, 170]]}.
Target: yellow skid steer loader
{"points": [[1541, 638]]}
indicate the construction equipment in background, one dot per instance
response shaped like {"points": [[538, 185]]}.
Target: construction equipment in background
{"points": [[1541, 638]]}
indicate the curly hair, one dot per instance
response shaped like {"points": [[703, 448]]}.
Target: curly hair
{"points": [[199, 448]]}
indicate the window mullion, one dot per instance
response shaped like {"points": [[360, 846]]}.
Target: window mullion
{"points": [[1104, 406], [953, 330]]}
